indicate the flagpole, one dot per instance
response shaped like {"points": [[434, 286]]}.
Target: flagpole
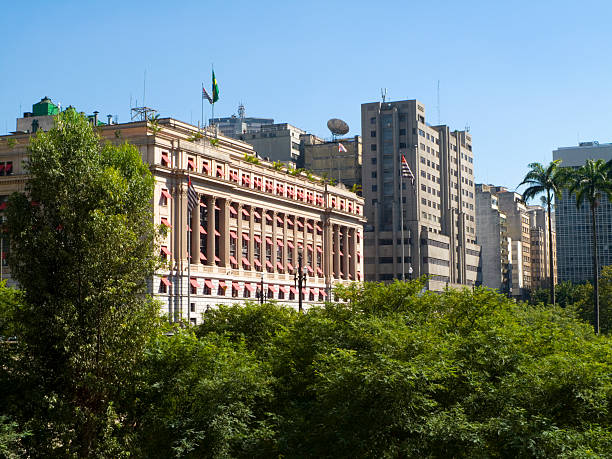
{"points": [[402, 219], [188, 257], [202, 117]]}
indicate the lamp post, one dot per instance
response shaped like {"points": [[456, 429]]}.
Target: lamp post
{"points": [[262, 295], [299, 279]]}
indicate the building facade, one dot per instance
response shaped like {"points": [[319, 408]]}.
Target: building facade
{"points": [[439, 226], [495, 269], [540, 248], [573, 225], [327, 159], [252, 225], [276, 142], [234, 126]]}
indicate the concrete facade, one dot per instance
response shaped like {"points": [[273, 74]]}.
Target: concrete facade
{"points": [[439, 212], [540, 247], [253, 221], [326, 159], [276, 142], [573, 225], [495, 270]]}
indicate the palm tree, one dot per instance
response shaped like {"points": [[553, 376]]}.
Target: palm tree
{"points": [[590, 183], [549, 180]]}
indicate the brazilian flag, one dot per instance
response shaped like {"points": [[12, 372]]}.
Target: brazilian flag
{"points": [[215, 89]]}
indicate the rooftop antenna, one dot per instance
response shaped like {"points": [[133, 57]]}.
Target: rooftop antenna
{"points": [[383, 94], [144, 87], [439, 122], [467, 128]]}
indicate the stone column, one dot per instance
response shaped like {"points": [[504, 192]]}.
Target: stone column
{"points": [[239, 235], [336, 236], [345, 253], [224, 240], [251, 237], [295, 245], [210, 228], [353, 253], [327, 251], [274, 248], [195, 234], [285, 246]]}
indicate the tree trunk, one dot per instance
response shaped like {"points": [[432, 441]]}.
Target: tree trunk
{"points": [[595, 273], [551, 259]]}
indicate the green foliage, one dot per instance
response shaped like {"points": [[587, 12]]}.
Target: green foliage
{"points": [[196, 136], [278, 165], [214, 142], [10, 142], [356, 189], [153, 124], [81, 255], [251, 159]]}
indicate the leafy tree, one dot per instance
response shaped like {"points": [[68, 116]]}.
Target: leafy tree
{"points": [[83, 247], [548, 180], [590, 183]]}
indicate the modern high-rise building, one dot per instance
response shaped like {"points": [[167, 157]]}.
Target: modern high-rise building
{"points": [[275, 142], [495, 270], [234, 126], [439, 225], [573, 225], [339, 160]]}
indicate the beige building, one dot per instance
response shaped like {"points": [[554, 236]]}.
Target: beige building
{"points": [[540, 252], [275, 142], [438, 211], [328, 159], [253, 221], [495, 269]]}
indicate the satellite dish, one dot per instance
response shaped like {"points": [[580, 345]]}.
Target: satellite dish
{"points": [[337, 126]]}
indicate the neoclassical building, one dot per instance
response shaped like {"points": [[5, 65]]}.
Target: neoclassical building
{"points": [[250, 227]]}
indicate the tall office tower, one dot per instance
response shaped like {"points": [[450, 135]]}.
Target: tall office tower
{"points": [[495, 244], [439, 224], [513, 206], [573, 225], [540, 247], [339, 160]]}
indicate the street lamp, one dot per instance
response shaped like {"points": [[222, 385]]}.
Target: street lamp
{"points": [[299, 279], [262, 295]]}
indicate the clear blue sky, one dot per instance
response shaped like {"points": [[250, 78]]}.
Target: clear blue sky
{"points": [[526, 77]]}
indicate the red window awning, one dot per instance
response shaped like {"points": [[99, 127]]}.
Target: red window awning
{"points": [[279, 220], [245, 213], [257, 214], [279, 265], [165, 221], [236, 285], [299, 224], [305, 290], [290, 244], [309, 248], [245, 261], [206, 167], [268, 264], [222, 284], [319, 249], [293, 290], [209, 284], [323, 292], [268, 240], [217, 258], [308, 225], [233, 211], [257, 263], [310, 270], [246, 237], [320, 271], [289, 266], [249, 287], [279, 242], [191, 164], [202, 257], [257, 238], [289, 222], [283, 289], [165, 250], [315, 291], [233, 260], [165, 158], [202, 230], [272, 288], [233, 235], [217, 233], [166, 195], [318, 227], [194, 283], [268, 217], [166, 282], [217, 207]]}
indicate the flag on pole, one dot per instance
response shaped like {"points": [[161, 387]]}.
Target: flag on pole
{"points": [[215, 88], [341, 148], [205, 95], [406, 172], [192, 197]]}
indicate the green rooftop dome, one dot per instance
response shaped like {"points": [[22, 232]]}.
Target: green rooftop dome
{"points": [[44, 108]]}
